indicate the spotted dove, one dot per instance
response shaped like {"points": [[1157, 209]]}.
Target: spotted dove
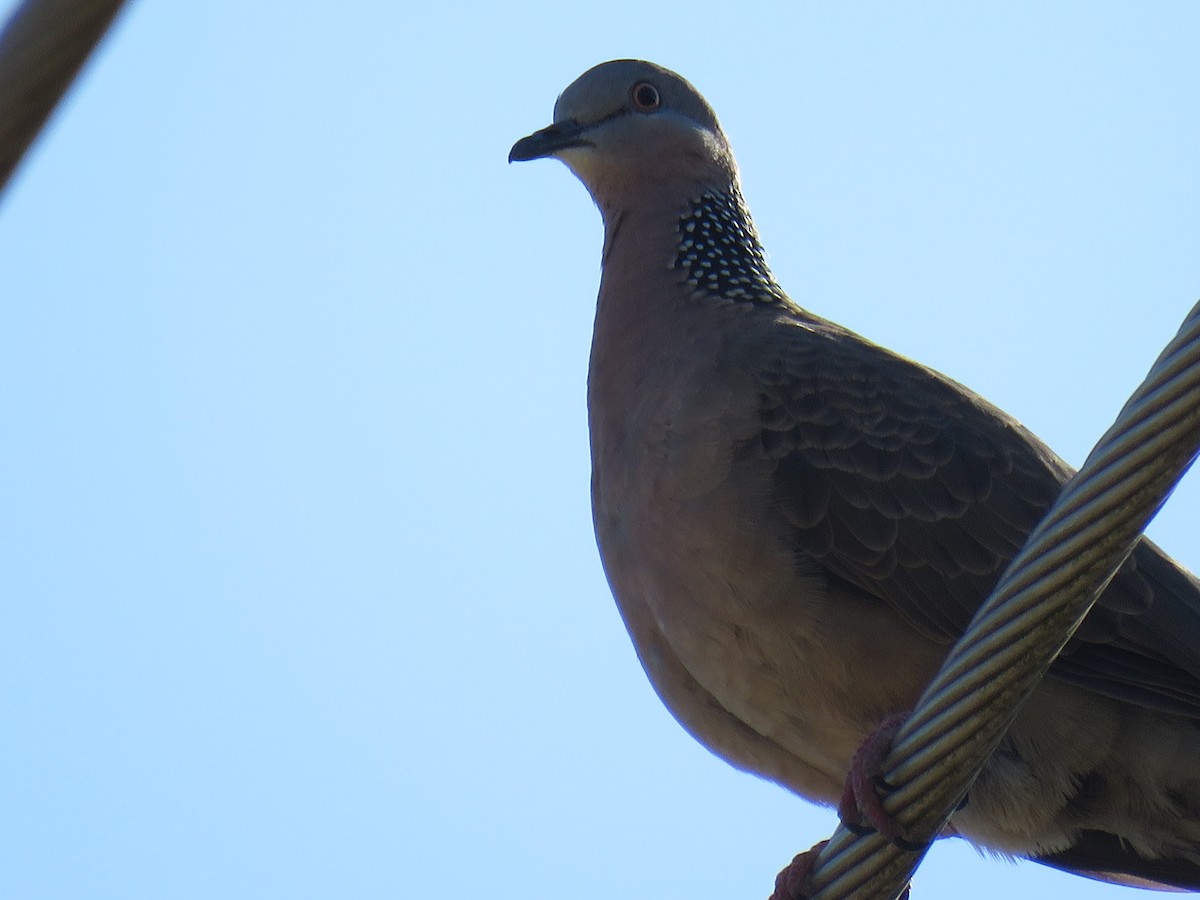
{"points": [[797, 523]]}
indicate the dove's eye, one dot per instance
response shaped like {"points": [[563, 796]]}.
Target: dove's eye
{"points": [[645, 97]]}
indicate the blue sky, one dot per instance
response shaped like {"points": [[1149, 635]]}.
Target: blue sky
{"points": [[299, 591]]}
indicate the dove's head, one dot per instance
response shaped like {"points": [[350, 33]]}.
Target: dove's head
{"points": [[628, 127]]}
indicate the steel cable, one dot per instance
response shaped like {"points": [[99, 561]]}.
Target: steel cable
{"points": [[1032, 612]]}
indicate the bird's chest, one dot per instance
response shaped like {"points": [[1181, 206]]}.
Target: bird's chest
{"points": [[667, 439], [668, 492], [700, 563], [683, 521]]}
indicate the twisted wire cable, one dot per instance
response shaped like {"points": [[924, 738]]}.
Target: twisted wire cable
{"points": [[42, 47], [1031, 614]]}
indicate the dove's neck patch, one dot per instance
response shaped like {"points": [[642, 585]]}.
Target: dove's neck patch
{"points": [[719, 252]]}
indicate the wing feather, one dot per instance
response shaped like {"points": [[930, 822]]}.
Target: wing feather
{"points": [[907, 485]]}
